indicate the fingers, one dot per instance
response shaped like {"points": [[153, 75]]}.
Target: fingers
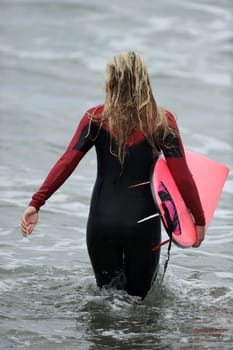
{"points": [[200, 230], [197, 244], [25, 227], [29, 220], [31, 228]]}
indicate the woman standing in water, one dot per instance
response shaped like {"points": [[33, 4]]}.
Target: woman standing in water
{"points": [[129, 131]]}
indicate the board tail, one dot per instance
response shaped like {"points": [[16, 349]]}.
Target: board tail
{"points": [[210, 177]]}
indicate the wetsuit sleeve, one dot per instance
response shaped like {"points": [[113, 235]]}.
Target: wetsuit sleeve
{"points": [[79, 145], [176, 161]]}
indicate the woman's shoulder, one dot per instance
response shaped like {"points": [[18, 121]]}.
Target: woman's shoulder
{"points": [[169, 114], [171, 118], [95, 112]]}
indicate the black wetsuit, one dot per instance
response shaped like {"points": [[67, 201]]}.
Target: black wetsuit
{"points": [[119, 247]]}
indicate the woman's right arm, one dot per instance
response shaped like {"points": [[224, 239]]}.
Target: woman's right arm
{"points": [[63, 168], [176, 161]]}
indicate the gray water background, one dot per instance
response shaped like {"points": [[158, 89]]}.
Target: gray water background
{"points": [[52, 59]]}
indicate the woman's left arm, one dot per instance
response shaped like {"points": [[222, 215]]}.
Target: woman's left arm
{"points": [[176, 161]]}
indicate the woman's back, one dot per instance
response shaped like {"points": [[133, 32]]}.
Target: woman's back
{"points": [[112, 195]]}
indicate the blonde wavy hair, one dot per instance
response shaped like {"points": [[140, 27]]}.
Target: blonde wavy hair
{"points": [[130, 104]]}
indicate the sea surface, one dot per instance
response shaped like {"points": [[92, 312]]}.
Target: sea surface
{"points": [[53, 55]]}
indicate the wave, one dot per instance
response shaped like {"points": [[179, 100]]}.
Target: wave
{"points": [[179, 67], [209, 9], [191, 45], [47, 55]]}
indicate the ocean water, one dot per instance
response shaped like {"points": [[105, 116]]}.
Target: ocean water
{"points": [[52, 59]]}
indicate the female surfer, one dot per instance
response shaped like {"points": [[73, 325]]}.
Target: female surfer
{"points": [[129, 131]]}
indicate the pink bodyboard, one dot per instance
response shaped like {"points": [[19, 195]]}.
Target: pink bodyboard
{"points": [[209, 176]]}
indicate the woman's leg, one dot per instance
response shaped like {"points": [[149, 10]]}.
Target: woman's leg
{"points": [[141, 263], [106, 255]]}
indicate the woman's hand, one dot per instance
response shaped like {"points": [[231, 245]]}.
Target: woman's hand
{"points": [[29, 220], [200, 230]]}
